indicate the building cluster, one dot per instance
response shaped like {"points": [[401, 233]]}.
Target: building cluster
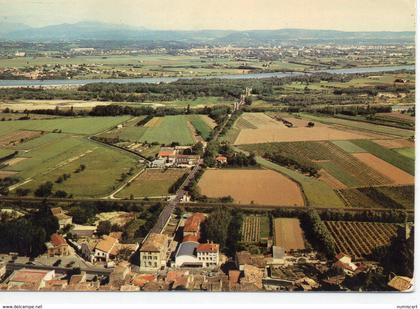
{"points": [[174, 157], [179, 259]]}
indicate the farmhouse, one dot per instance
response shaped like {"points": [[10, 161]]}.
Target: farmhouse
{"points": [[169, 156], [57, 246], [153, 252]]}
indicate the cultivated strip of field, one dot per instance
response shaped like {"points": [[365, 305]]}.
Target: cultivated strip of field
{"points": [[76, 125], [255, 229], [407, 152], [387, 155], [397, 175], [272, 135], [348, 146], [358, 125], [264, 187], [288, 234], [394, 143], [359, 239], [392, 197], [152, 183], [168, 130], [317, 193]]}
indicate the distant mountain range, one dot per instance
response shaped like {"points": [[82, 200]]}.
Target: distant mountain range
{"points": [[103, 31]]}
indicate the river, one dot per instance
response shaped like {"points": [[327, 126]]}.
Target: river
{"points": [[70, 82]]}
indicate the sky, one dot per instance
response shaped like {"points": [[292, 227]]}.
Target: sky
{"points": [[347, 15]]}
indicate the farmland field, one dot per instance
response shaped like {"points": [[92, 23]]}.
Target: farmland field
{"points": [[288, 234], [407, 152], [359, 239], [256, 128], [317, 193], [264, 187], [387, 155], [165, 130], [151, 183], [255, 229], [341, 166], [361, 126], [50, 156], [78, 125], [388, 170]]}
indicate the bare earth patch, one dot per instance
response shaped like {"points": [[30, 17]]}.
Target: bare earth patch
{"points": [[261, 120], [288, 234], [330, 180], [264, 187], [396, 175], [4, 174], [272, 135], [394, 143], [17, 136], [14, 161]]}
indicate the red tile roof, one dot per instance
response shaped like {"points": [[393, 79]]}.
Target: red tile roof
{"points": [[208, 248], [192, 224], [190, 237], [57, 240], [167, 153]]}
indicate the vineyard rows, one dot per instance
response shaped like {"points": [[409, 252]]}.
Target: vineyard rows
{"points": [[358, 239], [251, 227]]}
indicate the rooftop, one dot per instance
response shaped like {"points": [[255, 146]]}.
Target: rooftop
{"points": [[208, 248], [192, 224], [187, 248], [154, 243], [57, 240], [106, 244]]}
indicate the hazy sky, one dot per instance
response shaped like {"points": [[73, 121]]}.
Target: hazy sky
{"points": [[352, 15]]}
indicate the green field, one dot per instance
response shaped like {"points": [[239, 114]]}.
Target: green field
{"points": [[78, 125], [5, 152], [317, 193], [407, 152], [167, 129], [348, 146], [200, 125], [152, 183], [363, 126], [387, 155], [52, 155]]}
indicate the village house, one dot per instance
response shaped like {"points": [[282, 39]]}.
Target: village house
{"points": [[221, 160], [105, 249], [29, 279], [62, 218], [344, 262], [153, 252], [208, 254], [193, 223], [57, 246]]}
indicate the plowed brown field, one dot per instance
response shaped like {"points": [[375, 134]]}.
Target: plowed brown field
{"points": [[264, 187], [394, 143], [288, 234], [395, 174]]}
